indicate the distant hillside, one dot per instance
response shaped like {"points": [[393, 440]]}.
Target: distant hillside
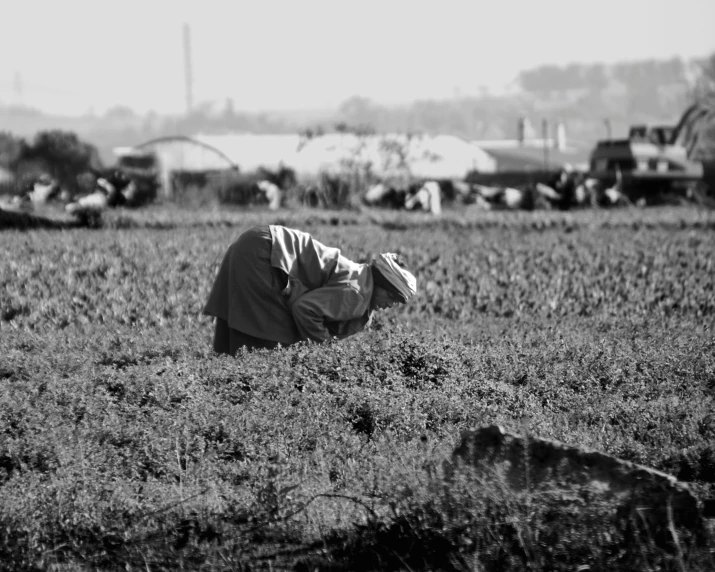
{"points": [[583, 96]]}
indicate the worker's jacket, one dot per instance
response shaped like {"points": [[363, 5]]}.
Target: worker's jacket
{"points": [[327, 294]]}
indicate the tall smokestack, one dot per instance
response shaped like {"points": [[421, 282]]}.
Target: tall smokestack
{"points": [[521, 130], [187, 69], [560, 137]]}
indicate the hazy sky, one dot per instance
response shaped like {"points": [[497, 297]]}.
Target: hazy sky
{"points": [[71, 56]]}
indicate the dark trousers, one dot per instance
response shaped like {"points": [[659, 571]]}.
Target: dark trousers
{"points": [[229, 341]]}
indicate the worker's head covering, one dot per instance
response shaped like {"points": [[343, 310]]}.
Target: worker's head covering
{"points": [[388, 274]]}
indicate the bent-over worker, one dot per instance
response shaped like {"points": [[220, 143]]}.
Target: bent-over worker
{"points": [[277, 285]]}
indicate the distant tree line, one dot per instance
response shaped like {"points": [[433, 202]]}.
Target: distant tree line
{"points": [[582, 96], [60, 154], [634, 76]]}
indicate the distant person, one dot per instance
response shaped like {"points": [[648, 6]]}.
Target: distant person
{"points": [[428, 198], [273, 194], [278, 285], [44, 189]]}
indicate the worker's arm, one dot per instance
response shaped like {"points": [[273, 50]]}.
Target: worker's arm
{"points": [[337, 303]]}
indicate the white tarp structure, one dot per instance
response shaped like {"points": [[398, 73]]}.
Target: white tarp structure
{"points": [[332, 153], [392, 155], [389, 156], [448, 157], [249, 151], [181, 154], [186, 154], [420, 157]]}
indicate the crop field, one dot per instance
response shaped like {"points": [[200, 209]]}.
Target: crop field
{"points": [[125, 444]]}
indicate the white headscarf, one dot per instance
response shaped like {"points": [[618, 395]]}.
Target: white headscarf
{"points": [[403, 281]]}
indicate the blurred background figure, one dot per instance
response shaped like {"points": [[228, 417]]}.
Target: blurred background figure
{"points": [[428, 198]]}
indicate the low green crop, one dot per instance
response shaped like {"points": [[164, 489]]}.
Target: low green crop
{"points": [[125, 444]]}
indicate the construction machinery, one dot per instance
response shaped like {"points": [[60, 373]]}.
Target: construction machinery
{"points": [[649, 163], [657, 160]]}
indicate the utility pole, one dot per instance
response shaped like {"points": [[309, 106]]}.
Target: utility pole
{"points": [[188, 77]]}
